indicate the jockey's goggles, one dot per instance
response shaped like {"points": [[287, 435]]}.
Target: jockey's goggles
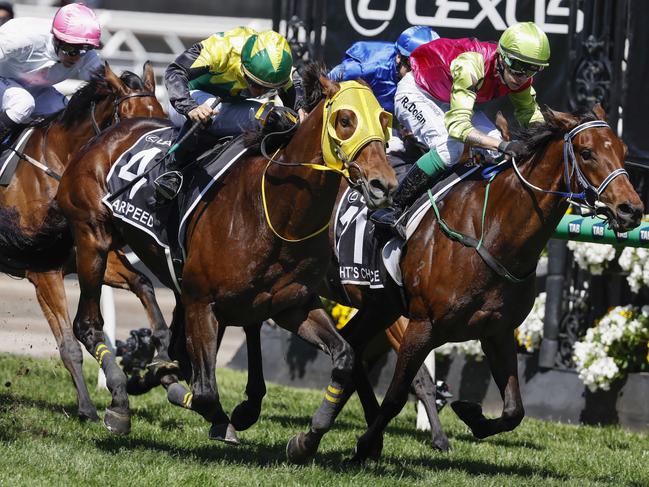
{"points": [[521, 68], [73, 50]]}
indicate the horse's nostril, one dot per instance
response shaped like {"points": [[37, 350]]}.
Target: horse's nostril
{"points": [[632, 212], [378, 186]]}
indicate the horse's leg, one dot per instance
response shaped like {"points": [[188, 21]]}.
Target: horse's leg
{"points": [[314, 325], [201, 328], [415, 346], [50, 292], [426, 391], [501, 353], [92, 246], [247, 412], [121, 274]]}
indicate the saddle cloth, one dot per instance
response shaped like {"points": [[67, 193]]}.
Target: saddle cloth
{"points": [[9, 159], [165, 224], [362, 258]]}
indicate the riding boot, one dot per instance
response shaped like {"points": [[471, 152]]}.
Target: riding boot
{"points": [[7, 126], [411, 187], [169, 183]]}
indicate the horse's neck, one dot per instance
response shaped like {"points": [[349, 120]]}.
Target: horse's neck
{"points": [[302, 198], [62, 143], [533, 214]]}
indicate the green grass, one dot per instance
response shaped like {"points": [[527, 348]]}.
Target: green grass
{"points": [[42, 443]]}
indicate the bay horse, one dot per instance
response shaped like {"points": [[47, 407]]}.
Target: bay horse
{"points": [[35, 240], [246, 261], [454, 293]]}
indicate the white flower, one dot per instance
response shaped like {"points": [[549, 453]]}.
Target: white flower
{"points": [[530, 332], [592, 257]]}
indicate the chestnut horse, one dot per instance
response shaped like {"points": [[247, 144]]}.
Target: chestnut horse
{"points": [[455, 293], [35, 240], [246, 261]]}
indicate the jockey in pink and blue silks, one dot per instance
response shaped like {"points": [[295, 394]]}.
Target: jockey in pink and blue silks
{"points": [[35, 54], [436, 103]]}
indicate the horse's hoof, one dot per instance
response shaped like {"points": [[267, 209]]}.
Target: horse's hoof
{"points": [[224, 432], [297, 451], [441, 444], [367, 449], [160, 367], [245, 415], [88, 414], [179, 395], [117, 423]]}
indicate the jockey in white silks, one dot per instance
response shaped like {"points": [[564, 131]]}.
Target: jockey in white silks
{"points": [[35, 54]]}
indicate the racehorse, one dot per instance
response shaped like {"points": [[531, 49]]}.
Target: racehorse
{"points": [[256, 248], [35, 240], [455, 293]]}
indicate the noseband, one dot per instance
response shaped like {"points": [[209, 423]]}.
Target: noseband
{"points": [[589, 194], [116, 103]]}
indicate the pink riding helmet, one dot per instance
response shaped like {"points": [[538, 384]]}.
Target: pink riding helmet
{"points": [[76, 24]]}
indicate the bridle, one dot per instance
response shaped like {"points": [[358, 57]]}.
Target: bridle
{"points": [[116, 103], [589, 195]]}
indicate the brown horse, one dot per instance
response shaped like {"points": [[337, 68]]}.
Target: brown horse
{"points": [[35, 240], [257, 272], [454, 293]]}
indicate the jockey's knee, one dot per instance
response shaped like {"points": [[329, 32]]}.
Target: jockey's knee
{"points": [[20, 108]]}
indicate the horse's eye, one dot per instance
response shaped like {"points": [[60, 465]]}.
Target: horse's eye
{"points": [[345, 122], [585, 154]]}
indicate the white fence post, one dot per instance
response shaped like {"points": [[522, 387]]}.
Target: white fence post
{"points": [[107, 305], [422, 418]]}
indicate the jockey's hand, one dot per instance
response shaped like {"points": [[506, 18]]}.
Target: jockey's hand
{"points": [[202, 113], [513, 148], [302, 114]]}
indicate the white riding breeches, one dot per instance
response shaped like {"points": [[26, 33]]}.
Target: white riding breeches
{"points": [[423, 115], [20, 102]]}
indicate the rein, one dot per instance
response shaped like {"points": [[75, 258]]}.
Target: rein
{"points": [[116, 103], [589, 194]]}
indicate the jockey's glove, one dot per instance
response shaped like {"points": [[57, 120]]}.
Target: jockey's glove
{"points": [[514, 148]]}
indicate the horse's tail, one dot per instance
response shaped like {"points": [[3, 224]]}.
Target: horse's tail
{"points": [[43, 248]]}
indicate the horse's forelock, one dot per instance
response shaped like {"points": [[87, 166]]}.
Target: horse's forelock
{"points": [[311, 83], [132, 80]]}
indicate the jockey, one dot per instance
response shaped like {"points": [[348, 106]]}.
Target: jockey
{"points": [[36, 54], [382, 64], [436, 103], [234, 65]]}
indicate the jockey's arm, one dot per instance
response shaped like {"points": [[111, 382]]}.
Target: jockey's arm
{"points": [[346, 70], [467, 71], [192, 64], [526, 109]]}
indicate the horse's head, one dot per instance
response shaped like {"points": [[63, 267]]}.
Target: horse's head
{"points": [[354, 135], [598, 158], [107, 98], [134, 96]]}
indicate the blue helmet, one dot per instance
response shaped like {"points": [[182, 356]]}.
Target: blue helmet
{"points": [[413, 37]]}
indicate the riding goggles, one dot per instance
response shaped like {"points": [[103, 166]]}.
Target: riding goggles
{"points": [[73, 50], [521, 68]]}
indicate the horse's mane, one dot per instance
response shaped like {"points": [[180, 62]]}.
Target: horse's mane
{"points": [[278, 122], [537, 135], [96, 90]]}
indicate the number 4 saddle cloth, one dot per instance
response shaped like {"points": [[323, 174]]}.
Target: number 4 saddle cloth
{"points": [[166, 224]]}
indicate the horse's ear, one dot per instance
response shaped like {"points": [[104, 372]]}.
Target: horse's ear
{"points": [[503, 126], [113, 81], [563, 120], [329, 87], [599, 111], [148, 77]]}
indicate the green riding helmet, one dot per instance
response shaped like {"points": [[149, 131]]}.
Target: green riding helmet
{"points": [[266, 59], [524, 47]]}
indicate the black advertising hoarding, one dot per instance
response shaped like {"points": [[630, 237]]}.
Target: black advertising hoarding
{"points": [[352, 20]]}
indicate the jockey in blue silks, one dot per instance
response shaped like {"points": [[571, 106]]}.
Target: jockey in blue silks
{"points": [[382, 64]]}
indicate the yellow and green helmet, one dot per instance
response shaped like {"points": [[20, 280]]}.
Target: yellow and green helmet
{"points": [[266, 59], [525, 45]]}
